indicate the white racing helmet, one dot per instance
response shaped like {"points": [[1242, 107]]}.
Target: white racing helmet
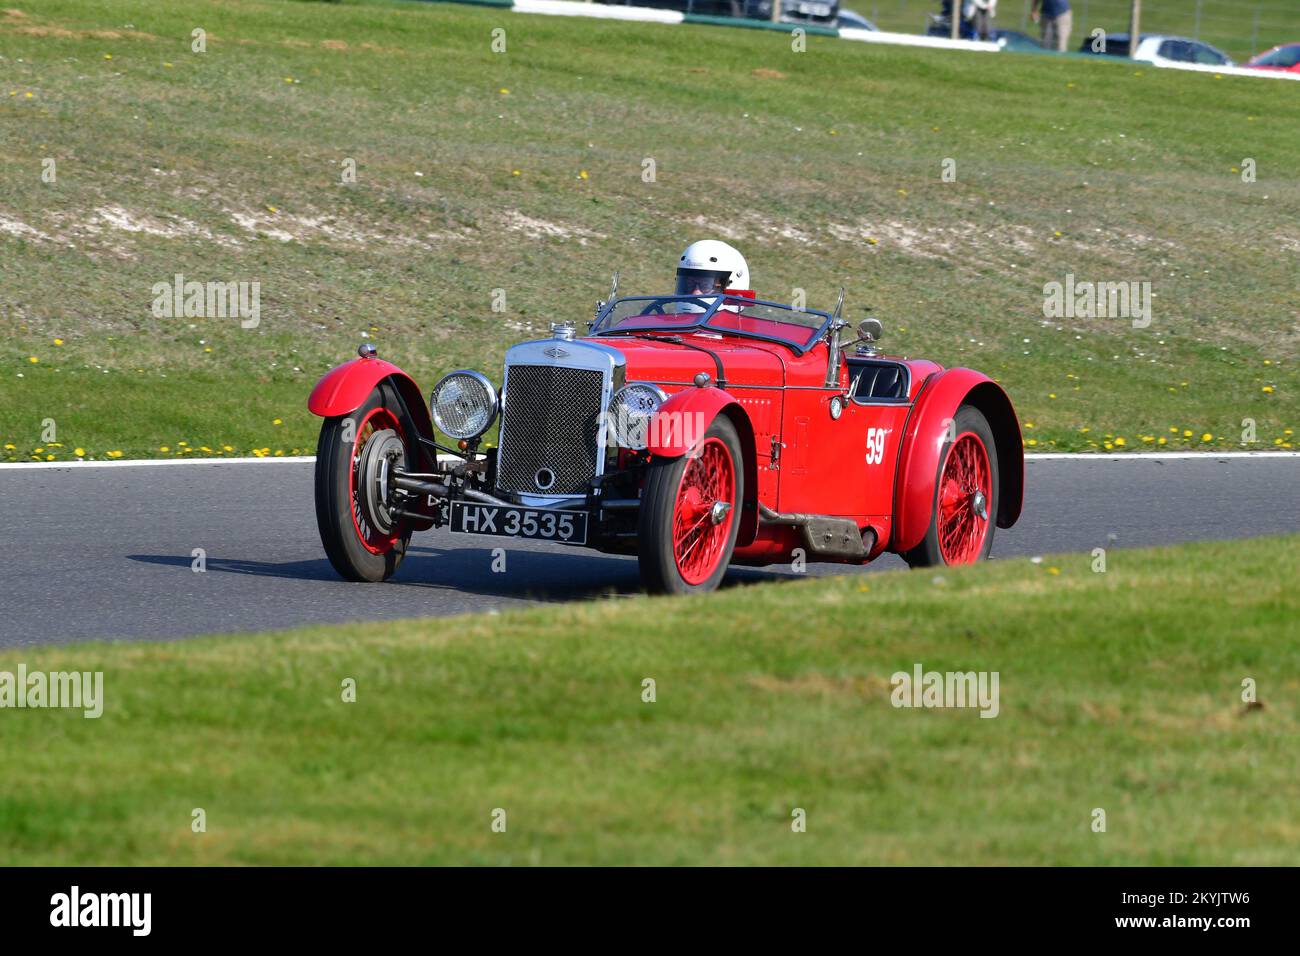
{"points": [[708, 267]]}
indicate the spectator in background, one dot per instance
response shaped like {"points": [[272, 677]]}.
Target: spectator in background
{"points": [[1056, 23], [982, 13]]}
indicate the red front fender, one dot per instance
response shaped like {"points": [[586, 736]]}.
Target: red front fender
{"points": [[681, 422], [927, 430], [680, 425], [345, 388]]}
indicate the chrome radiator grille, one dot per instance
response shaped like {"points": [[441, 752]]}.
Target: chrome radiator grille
{"points": [[550, 425]]}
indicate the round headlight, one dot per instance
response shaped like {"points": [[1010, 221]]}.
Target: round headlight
{"points": [[464, 404], [629, 413]]}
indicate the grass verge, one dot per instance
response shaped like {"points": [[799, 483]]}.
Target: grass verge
{"points": [[1118, 690]]}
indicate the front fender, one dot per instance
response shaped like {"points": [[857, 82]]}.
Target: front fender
{"points": [[681, 422], [343, 390], [680, 425], [927, 430]]}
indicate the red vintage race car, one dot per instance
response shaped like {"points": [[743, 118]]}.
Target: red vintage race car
{"points": [[695, 431]]}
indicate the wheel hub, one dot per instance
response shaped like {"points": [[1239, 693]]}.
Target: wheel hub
{"points": [[382, 453], [980, 505], [718, 513]]}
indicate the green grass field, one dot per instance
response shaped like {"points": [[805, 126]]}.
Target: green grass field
{"points": [[1118, 690], [522, 171]]}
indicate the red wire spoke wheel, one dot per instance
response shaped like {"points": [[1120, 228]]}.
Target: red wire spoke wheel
{"points": [[689, 514], [965, 509], [362, 540], [965, 488], [704, 511]]}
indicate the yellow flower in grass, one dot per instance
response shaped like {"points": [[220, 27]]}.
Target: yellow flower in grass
{"points": [[1163, 441], [1120, 442], [1268, 389], [277, 422], [33, 359], [164, 448], [1207, 437], [1187, 433], [114, 454], [79, 452]]}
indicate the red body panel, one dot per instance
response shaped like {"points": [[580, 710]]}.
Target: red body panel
{"points": [[876, 464]]}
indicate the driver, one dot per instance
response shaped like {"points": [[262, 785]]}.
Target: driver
{"points": [[710, 267]]}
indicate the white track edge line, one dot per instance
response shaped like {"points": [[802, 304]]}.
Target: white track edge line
{"points": [[307, 459]]}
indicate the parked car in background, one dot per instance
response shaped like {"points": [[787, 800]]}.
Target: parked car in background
{"points": [[817, 12], [1285, 57], [821, 12], [1160, 49], [855, 21], [937, 25]]}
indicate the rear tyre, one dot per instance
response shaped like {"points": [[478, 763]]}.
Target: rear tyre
{"points": [[964, 512], [690, 515], [361, 540]]}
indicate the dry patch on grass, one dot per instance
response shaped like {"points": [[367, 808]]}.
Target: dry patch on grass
{"points": [[862, 687], [13, 20], [516, 221]]}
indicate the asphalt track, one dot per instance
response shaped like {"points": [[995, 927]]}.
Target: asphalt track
{"points": [[106, 553]]}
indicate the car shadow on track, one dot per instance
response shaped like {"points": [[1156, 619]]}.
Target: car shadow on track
{"points": [[542, 576]]}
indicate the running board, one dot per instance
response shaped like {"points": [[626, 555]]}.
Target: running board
{"points": [[825, 536]]}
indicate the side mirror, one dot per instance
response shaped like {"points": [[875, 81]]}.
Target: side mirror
{"points": [[870, 330]]}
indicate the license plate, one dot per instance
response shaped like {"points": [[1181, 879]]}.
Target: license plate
{"points": [[814, 9], [507, 521]]}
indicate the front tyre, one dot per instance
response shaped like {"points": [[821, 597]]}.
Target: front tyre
{"points": [[355, 453], [965, 507], [690, 514]]}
